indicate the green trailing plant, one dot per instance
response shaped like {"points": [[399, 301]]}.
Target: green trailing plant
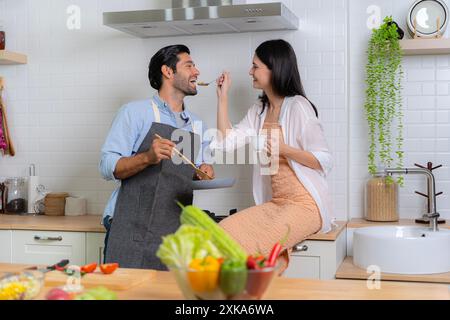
{"points": [[383, 103]]}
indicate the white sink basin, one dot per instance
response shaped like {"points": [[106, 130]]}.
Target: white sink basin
{"points": [[407, 250]]}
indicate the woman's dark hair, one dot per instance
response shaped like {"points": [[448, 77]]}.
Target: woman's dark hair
{"points": [[166, 56], [279, 57]]}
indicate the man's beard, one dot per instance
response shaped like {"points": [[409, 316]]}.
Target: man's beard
{"points": [[185, 87]]}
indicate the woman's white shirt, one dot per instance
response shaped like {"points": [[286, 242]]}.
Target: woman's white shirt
{"points": [[301, 130]]}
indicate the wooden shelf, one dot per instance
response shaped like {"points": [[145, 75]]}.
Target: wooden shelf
{"points": [[425, 46], [8, 57]]}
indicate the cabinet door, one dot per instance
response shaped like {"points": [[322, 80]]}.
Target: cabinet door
{"points": [[307, 267], [5, 246], [95, 242], [48, 247]]}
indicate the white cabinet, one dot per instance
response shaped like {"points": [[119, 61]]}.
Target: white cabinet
{"points": [[95, 243], [317, 259], [5, 246], [48, 247]]}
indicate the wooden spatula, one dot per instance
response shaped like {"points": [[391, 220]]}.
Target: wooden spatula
{"points": [[9, 145], [204, 175]]}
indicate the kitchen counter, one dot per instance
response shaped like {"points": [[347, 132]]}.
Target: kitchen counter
{"points": [[359, 223], [162, 286], [87, 223], [91, 223]]}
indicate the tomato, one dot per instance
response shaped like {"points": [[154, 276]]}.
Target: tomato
{"points": [[58, 294], [89, 268], [109, 268]]}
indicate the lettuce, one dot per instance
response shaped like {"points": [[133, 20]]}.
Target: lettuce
{"points": [[187, 243]]}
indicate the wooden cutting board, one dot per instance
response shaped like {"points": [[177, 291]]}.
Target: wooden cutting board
{"points": [[121, 279]]}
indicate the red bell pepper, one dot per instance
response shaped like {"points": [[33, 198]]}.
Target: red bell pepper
{"points": [[256, 262], [272, 259], [89, 268], [109, 268]]}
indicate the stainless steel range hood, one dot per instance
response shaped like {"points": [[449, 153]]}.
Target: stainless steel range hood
{"points": [[196, 17]]}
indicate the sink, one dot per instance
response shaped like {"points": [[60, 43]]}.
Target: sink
{"points": [[406, 250]]}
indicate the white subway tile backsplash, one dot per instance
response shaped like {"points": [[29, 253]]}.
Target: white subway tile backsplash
{"points": [[442, 88], [443, 74], [443, 102], [421, 102], [420, 74]]}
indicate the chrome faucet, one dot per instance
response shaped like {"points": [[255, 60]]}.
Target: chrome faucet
{"points": [[433, 215]]}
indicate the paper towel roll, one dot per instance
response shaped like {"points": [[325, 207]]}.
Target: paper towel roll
{"points": [[75, 206], [33, 182]]}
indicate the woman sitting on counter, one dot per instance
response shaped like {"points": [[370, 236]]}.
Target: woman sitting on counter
{"points": [[297, 193]]}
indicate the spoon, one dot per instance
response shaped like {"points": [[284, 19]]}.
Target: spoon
{"points": [[205, 84]]}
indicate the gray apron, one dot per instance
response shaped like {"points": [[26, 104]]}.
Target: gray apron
{"points": [[146, 208]]}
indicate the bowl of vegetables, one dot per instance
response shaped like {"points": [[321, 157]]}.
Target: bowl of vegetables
{"points": [[211, 279], [208, 264], [21, 285]]}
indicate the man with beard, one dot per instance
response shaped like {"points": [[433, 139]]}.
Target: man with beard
{"points": [[138, 154]]}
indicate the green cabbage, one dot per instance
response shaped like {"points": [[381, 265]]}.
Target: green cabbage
{"points": [[187, 243]]}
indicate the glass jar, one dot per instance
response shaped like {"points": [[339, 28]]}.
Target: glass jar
{"points": [[2, 36], [2, 39], [16, 195], [381, 199]]}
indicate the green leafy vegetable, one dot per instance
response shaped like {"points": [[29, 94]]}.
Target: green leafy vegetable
{"points": [[189, 242], [191, 215]]}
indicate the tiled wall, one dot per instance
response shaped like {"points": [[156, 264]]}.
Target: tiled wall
{"points": [[62, 102], [426, 108]]}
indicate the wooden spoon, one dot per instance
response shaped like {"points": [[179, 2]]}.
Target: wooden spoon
{"points": [[204, 175]]}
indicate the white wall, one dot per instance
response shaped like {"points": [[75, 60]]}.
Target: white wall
{"points": [[62, 102], [426, 108]]}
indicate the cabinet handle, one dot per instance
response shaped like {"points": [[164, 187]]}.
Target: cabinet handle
{"points": [[300, 247], [38, 238]]}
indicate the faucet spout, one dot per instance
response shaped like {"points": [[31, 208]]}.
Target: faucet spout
{"points": [[433, 215]]}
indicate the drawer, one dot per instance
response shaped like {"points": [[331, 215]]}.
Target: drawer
{"points": [[303, 267], [309, 248], [48, 247], [5, 246]]}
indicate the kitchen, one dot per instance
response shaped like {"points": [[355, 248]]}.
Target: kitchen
{"points": [[78, 73]]}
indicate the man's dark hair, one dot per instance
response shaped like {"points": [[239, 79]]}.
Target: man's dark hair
{"points": [[166, 56]]}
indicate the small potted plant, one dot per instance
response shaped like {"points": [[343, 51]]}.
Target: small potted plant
{"points": [[383, 108]]}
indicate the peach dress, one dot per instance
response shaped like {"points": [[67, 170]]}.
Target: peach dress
{"points": [[258, 228]]}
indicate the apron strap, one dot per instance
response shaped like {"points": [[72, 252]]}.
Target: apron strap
{"points": [[156, 112]]}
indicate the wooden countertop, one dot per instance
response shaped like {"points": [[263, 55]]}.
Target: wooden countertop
{"points": [[163, 286], [359, 223], [348, 270], [88, 223], [332, 235], [91, 223]]}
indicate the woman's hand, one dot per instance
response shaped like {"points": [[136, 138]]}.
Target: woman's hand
{"points": [[223, 85], [277, 147]]}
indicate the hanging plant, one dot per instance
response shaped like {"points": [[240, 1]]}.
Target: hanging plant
{"points": [[383, 103]]}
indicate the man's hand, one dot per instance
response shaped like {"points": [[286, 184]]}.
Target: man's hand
{"points": [[161, 149], [206, 168]]}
